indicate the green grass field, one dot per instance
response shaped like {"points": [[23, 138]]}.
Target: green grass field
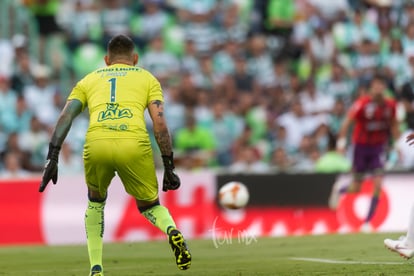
{"points": [[357, 254]]}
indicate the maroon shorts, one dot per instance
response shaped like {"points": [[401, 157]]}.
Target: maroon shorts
{"points": [[367, 158]]}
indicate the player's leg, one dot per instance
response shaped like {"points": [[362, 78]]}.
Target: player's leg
{"points": [[359, 168], [137, 172], [410, 231], [377, 181], [98, 174], [159, 216], [94, 226], [376, 165], [404, 246], [356, 183], [341, 187], [345, 185]]}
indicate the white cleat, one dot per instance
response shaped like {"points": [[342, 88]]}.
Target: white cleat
{"points": [[366, 228], [400, 247], [340, 183], [334, 199]]}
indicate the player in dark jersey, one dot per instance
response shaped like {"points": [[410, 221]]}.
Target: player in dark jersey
{"points": [[375, 124]]}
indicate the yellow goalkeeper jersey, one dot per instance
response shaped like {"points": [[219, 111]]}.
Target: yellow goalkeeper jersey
{"points": [[117, 97]]}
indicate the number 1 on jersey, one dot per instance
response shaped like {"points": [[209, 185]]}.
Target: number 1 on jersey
{"points": [[113, 89]]}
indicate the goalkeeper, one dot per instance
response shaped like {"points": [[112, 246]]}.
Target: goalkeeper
{"points": [[117, 141]]}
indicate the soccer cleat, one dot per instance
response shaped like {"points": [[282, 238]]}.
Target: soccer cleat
{"points": [[179, 247], [366, 227], [337, 191], [400, 247], [96, 271], [334, 198]]}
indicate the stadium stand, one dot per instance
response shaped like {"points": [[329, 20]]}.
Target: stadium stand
{"points": [[283, 71]]}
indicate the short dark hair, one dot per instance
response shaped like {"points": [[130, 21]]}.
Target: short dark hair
{"points": [[120, 45], [379, 77]]}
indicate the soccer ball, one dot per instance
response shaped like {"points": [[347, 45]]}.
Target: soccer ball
{"points": [[233, 195]]}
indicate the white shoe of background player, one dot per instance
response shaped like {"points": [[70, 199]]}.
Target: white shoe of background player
{"points": [[340, 183], [366, 227], [400, 246]]}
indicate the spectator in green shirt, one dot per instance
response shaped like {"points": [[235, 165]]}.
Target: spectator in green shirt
{"points": [[332, 161], [279, 21], [194, 144]]}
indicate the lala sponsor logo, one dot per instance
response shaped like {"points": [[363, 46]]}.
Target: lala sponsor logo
{"points": [[113, 112]]}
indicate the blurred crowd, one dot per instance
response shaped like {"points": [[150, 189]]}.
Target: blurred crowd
{"points": [[250, 86]]}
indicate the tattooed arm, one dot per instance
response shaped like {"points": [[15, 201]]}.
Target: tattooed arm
{"points": [[161, 133], [171, 181]]}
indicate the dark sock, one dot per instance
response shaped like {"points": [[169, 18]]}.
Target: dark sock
{"points": [[344, 189], [372, 208]]}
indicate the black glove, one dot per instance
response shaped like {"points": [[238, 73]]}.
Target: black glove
{"points": [[171, 181], [50, 171]]}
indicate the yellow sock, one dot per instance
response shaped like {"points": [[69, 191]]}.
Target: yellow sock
{"points": [[160, 217], [94, 225]]}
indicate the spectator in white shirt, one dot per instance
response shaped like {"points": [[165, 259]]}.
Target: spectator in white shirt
{"points": [[69, 163], [297, 124], [160, 62], [248, 160], [35, 141], [321, 44], [314, 102], [12, 167], [42, 98]]}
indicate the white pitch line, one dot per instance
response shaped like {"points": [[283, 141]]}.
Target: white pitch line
{"points": [[107, 268], [328, 261]]}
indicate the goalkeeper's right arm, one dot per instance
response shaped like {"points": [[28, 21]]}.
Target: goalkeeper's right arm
{"points": [[156, 109], [161, 133], [72, 109]]}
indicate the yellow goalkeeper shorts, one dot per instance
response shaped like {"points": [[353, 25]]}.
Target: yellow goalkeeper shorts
{"points": [[132, 160]]}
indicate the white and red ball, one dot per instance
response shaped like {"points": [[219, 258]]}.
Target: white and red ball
{"points": [[233, 195]]}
